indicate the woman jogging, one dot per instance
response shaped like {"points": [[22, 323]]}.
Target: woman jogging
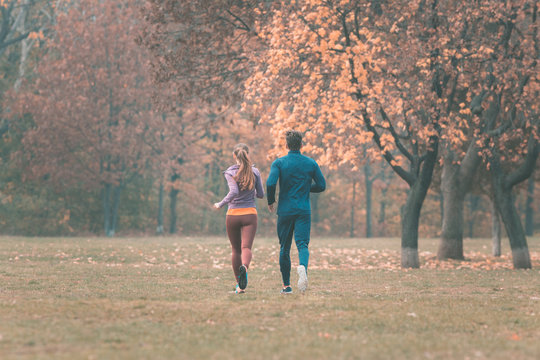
{"points": [[245, 183]]}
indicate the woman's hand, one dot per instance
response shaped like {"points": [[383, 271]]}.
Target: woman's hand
{"points": [[216, 206]]}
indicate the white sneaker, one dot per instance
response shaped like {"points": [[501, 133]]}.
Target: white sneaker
{"points": [[302, 278]]}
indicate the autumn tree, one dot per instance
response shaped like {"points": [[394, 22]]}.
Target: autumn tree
{"points": [[199, 49], [495, 45], [529, 210], [89, 104], [489, 59], [23, 24], [15, 27], [365, 171], [331, 71], [513, 90], [177, 142], [198, 62]]}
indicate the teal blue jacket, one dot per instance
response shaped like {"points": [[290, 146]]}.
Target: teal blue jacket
{"points": [[298, 176]]}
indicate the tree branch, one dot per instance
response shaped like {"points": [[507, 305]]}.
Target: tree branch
{"points": [[527, 167], [405, 175], [500, 130], [429, 160], [452, 96], [4, 30], [5, 44], [396, 137], [468, 166], [237, 18]]}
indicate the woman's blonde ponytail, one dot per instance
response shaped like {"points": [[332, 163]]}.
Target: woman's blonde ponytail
{"points": [[244, 177]]}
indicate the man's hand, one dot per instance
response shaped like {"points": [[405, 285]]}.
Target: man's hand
{"points": [[271, 207]]}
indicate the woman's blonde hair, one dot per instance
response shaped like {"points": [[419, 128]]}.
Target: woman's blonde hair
{"points": [[244, 177]]}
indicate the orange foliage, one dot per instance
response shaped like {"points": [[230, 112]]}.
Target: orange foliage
{"points": [[89, 102], [329, 64], [325, 69]]}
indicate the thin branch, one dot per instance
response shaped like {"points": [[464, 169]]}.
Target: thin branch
{"points": [[468, 166], [527, 167], [4, 31], [245, 26], [404, 174], [452, 96], [396, 137], [356, 22], [500, 130], [5, 44], [429, 160], [310, 26]]}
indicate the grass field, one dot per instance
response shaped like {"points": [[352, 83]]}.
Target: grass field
{"points": [[171, 298]]}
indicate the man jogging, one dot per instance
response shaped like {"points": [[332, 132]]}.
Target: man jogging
{"points": [[298, 176]]}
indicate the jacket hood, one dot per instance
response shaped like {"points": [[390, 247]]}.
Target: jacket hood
{"points": [[233, 169]]}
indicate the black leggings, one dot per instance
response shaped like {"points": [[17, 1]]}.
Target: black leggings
{"points": [[241, 230]]}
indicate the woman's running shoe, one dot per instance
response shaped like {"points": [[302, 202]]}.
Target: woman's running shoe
{"points": [[242, 277]]}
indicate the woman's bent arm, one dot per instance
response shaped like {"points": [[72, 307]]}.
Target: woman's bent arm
{"points": [[233, 190]]}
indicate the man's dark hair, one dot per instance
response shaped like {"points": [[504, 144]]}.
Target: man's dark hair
{"points": [[294, 140]]}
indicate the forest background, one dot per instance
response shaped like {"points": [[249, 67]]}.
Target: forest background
{"points": [[119, 117]]}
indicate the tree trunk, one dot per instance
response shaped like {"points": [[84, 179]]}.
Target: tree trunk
{"points": [[495, 231], [410, 219], [111, 203], [418, 177], [115, 206], [502, 185], [353, 203], [369, 195], [504, 201], [456, 180], [451, 244], [106, 195], [26, 45], [382, 210], [529, 212], [441, 205], [173, 195], [159, 229], [473, 206]]}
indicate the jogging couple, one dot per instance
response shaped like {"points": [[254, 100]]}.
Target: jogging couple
{"points": [[298, 175]]}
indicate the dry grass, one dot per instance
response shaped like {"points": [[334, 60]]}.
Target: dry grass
{"points": [[157, 298]]}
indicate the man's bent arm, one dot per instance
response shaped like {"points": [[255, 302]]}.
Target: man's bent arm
{"points": [[320, 183], [271, 183]]}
